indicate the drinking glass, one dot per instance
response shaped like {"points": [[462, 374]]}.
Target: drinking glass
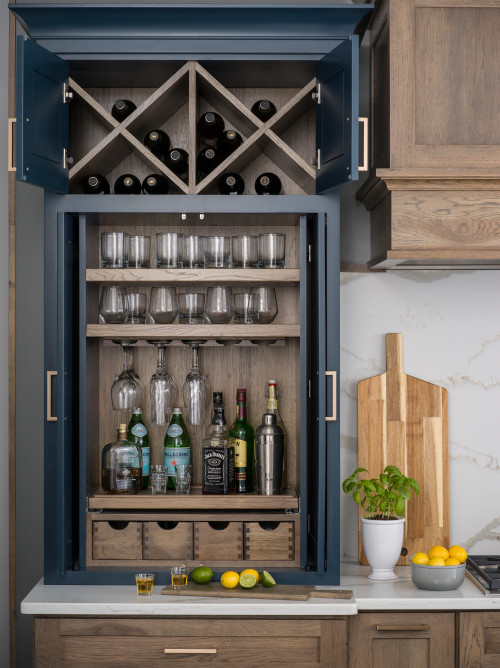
{"points": [[196, 390], [193, 251], [219, 305], [158, 479], [191, 308], [139, 251], [144, 583], [169, 250], [217, 252], [179, 576], [245, 251], [242, 308], [127, 388], [113, 304], [137, 307], [272, 250], [263, 306], [163, 306], [162, 388], [183, 478], [114, 249]]}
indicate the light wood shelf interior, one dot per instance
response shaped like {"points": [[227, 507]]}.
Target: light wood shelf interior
{"points": [[188, 275], [193, 332]]}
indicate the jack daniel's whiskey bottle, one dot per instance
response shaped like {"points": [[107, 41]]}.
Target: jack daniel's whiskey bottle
{"points": [[217, 457]]}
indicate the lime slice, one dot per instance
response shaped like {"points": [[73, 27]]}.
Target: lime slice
{"points": [[267, 579], [248, 581]]}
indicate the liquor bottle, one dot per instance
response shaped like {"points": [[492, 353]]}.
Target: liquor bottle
{"points": [[155, 184], [263, 109], [231, 184], [217, 457], [272, 393], [241, 436], [178, 161], [267, 184], [207, 160], [121, 465], [121, 109], [228, 142], [210, 126], [138, 434], [95, 184], [127, 184], [217, 398], [177, 446], [158, 143]]}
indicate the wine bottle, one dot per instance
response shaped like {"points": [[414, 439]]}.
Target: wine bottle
{"points": [[178, 161], [207, 160], [228, 142], [263, 109], [127, 184], [268, 184], [95, 184], [210, 126], [138, 434], [121, 109], [177, 446], [272, 393], [231, 184], [158, 143], [155, 184], [241, 437]]}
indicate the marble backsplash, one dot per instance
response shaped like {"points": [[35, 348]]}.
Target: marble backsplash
{"points": [[450, 322]]}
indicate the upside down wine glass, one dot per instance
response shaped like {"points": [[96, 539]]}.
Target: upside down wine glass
{"points": [[196, 390], [127, 389], [162, 388]]}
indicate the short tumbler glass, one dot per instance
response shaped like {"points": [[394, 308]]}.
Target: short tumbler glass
{"points": [[179, 576], [144, 583], [158, 479], [245, 251], [139, 251], [191, 308], [217, 252], [193, 251], [242, 308], [114, 249], [272, 250], [183, 478], [113, 305], [163, 306], [169, 250]]}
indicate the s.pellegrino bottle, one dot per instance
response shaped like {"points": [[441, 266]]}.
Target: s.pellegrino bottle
{"points": [[156, 184], [210, 126], [95, 184], [178, 161], [158, 143], [207, 160], [138, 434], [268, 184], [121, 109], [121, 465], [177, 446], [228, 142], [263, 109], [127, 184], [217, 456], [231, 184], [241, 437], [273, 391]]}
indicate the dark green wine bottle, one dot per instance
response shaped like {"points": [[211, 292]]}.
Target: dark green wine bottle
{"points": [[138, 434], [241, 435]]}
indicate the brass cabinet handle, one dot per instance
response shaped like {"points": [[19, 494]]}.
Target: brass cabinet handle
{"points": [[50, 417], [11, 166], [402, 627], [364, 166], [190, 651], [333, 416]]}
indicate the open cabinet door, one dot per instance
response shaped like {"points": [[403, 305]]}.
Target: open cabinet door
{"points": [[42, 129], [337, 76]]}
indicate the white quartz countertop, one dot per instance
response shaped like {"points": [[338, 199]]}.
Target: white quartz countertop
{"points": [[400, 594]]}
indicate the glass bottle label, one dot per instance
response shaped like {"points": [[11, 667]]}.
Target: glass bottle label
{"points": [[240, 453], [175, 456], [175, 430], [145, 460], [139, 430]]}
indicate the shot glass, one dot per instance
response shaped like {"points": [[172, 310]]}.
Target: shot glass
{"points": [[139, 251], [114, 249], [163, 305], [245, 251], [137, 308], [219, 305], [179, 576], [193, 251], [158, 480], [144, 583], [272, 250], [113, 305], [169, 250], [217, 252], [242, 308], [191, 308], [183, 478], [263, 307]]}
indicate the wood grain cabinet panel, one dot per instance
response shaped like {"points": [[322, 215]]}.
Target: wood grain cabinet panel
{"points": [[479, 640]]}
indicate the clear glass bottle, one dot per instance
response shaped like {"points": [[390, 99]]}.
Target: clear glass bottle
{"points": [[121, 465], [217, 457]]}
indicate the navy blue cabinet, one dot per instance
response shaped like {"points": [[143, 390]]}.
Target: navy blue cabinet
{"points": [[177, 64]]}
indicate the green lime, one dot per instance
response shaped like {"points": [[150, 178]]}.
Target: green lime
{"points": [[267, 580], [202, 575], [248, 581]]}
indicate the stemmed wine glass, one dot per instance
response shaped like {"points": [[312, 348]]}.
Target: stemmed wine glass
{"points": [[162, 388], [127, 390], [196, 390]]}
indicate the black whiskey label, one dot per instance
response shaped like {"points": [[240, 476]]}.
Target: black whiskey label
{"points": [[218, 470]]}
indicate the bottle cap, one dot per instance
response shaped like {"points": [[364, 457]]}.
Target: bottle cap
{"points": [[217, 397], [137, 410], [210, 153], [230, 180], [177, 410], [175, 155], [209, 117], [93, 181], [119, 104], [264, 180], [153, 135], [231, 134], [272, 382], [264, 104]]}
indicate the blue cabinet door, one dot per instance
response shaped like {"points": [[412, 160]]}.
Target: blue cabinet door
{"points": [[337, 75], [42, 133]]}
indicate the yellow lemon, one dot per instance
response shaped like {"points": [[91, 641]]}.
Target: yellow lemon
{"points": [[420, 558], [251, 571], [459, 553], [438, 551], [230, 579], [436, 561], [452, 561]]}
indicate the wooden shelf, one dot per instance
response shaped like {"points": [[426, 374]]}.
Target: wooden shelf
{"points": [[437, 259], [144, 500], [187, 275], [194, 332]]}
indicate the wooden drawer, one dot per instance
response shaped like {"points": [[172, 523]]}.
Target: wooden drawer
{"points": [[116, 540], [479, 640], [245, 643], [272, 541], [168, 540], [218, 541]]}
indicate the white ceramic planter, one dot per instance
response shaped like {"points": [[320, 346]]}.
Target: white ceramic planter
{"points": [[382, 543]]}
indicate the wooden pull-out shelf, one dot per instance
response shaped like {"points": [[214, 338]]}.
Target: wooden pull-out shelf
{"points": [[193, 332], [187, 275]]}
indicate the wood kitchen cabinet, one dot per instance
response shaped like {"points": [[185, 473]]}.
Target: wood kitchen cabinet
{"points": [[479, 639], [434, 185]]}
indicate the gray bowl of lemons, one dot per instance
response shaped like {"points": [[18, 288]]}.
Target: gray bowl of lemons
{"points": [[440, 569]]}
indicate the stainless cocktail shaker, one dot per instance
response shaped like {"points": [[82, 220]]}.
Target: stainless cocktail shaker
{"points": [[269, 452]]}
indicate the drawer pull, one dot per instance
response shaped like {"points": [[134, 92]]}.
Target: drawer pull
{"points": [[50, 417], [333, 416], [11, 166], [402, 627], [190, 651]]}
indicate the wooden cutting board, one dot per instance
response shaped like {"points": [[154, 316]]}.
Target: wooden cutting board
{"points": [[403, 421], [283, 592]]}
